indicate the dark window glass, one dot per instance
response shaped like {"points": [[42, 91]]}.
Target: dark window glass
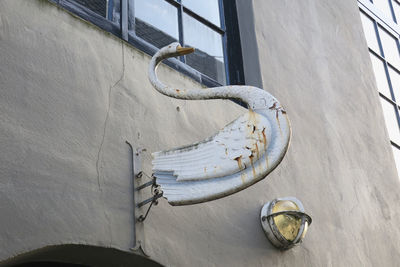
{"points": [[156, 21], [160, 23], [210, 26], [208, 57], [209, 9], [98, 6]]}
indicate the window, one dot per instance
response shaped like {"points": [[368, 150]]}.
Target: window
{"points": [[208, 25], [381, 23]]}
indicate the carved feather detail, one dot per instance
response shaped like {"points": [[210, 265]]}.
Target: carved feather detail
{"points": [[239, 155]]}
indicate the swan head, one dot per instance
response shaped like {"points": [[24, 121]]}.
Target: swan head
{"points": [[175, 50]]}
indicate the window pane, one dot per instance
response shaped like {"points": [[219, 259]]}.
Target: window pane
{"points": [[391, 121], [380, 75], [383, 5], [396, 154], [208, 9], [396, 8], [98, 6], [390, 48], [395, 80], [156, 22], [208, 57], [369, 32]]}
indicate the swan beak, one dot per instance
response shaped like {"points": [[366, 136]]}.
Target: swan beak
{"points": [[184, 50]]}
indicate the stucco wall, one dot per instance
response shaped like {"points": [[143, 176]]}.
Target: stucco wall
{"points": [[314, 58], [71, 94]]}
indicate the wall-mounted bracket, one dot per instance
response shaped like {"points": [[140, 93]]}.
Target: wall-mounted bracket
{"points": [[152, 200], [140, 193], [137, 173]]}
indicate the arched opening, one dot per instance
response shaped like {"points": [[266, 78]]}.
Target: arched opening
{"points": [[78, 256], [49, 264]]}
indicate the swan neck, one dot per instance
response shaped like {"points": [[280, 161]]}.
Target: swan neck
{"points": [[155, 61], [223, 92]]}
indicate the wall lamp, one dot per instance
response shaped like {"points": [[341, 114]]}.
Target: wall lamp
{"points": [[284, 222]]}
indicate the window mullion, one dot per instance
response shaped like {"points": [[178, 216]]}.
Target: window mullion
{"points": [[392, 12], [180, 29], [203, 20], [124, 19], [224, 40], [110, 8]]}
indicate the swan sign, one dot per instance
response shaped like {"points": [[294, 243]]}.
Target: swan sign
{"points": [[239, 155]]}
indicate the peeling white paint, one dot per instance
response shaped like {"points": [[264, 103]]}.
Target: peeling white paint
{"points": [[239, 155]]}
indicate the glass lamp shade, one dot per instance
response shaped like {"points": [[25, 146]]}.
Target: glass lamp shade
{"points": [[284, 222]]}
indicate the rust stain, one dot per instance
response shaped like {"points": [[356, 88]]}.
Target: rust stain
{"points": [[239, 162], [258, 152], [266, 160], [279, 125], [205, 169], [273, 106], [264, 139], [254, 128], [177, 90], [243, 176], [252, 164], [252, 117], [226, 151], [260, 168], [277, 109]]}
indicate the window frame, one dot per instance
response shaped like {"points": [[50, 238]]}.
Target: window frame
{"points": [[233, 60], [392, 27]]}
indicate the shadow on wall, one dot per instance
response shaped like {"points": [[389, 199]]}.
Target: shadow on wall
{"points": [[78, 256]]}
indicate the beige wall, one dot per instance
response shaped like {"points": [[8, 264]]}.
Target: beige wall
{"points": [[314, 57], [71, 94]]}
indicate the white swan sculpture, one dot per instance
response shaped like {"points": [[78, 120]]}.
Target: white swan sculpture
{"points": [[239, 155]]}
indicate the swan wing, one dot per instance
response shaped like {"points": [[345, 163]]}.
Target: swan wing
{"points": [[233, 149]]}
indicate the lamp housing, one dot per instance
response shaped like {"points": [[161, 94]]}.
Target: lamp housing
{"points": [[284, 222]]}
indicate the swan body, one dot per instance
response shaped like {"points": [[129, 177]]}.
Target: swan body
{"points": [[239, 155]]}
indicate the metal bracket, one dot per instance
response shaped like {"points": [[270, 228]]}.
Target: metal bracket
{"points": [[138, 231], [138, 190], [152, 200]]}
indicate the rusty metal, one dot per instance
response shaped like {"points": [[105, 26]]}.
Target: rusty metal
{"points": [[239, 155], [146, 184], [152, 200]]}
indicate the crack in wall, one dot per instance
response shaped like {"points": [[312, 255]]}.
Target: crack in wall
{"points": [[103, 140], [107, 117]]}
